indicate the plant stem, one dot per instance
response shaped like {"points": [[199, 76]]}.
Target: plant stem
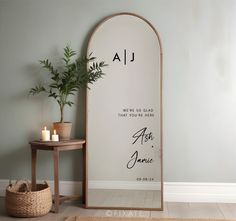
{"points": [[62, 113]]}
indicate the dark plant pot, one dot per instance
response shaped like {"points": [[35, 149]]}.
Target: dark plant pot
{"points": [[63, 130]]}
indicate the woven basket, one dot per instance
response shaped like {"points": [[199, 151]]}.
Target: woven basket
{"points": [[22, 202]]}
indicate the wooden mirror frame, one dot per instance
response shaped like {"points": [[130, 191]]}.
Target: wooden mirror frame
{"points": [[161, 118]]}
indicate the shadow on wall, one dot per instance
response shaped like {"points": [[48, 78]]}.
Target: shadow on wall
{"points": [[80, 119], [31, 114], [15, 164], [15, 157], [80, 127]]}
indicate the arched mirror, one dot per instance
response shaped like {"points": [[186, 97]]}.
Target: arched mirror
{"points": [[124, 117]]}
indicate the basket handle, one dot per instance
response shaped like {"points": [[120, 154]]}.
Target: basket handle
{"points": [[28, 186], [46, 183]]}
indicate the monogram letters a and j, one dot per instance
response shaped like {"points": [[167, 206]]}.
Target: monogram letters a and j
{"points": [[127, 57]]}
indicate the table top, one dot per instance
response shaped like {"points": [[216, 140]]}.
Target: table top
{"points": [[62, 143], [58, 143]]}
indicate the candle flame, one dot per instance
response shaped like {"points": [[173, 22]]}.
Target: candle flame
{"points": [[45, 128], [55, 132]]}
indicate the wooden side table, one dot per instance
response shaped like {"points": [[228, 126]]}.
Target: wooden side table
{"points": [[57, 147]]}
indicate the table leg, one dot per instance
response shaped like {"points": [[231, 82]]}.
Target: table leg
{"points": [[33, 168], [84, 174], [56, 180]]}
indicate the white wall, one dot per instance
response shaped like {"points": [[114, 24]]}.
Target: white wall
{"points": [[199, 47], [200, 91]]}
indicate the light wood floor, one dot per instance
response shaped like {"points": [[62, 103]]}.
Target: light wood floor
{"points": [[124, 198], [172, 210]]}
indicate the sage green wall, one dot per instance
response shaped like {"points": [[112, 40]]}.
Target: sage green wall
{"points": [[199, 46]]}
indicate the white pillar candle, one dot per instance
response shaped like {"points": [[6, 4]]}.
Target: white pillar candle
{"points": [[45, 134], [55, 136]]}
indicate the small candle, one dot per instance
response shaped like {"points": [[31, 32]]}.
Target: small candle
{"points": [[45, 134], [55, 136]]}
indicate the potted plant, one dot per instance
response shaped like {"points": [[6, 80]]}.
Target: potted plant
{"points": [[66, 81]]}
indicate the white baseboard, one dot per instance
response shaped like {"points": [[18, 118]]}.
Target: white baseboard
{"points": [[200, 192], [173, 191]]}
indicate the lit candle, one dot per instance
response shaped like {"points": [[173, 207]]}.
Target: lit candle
{"points": [[45, 134], [55, 136]]}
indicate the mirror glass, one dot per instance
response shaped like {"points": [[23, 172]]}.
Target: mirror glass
{"points": [[124, 116]]}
